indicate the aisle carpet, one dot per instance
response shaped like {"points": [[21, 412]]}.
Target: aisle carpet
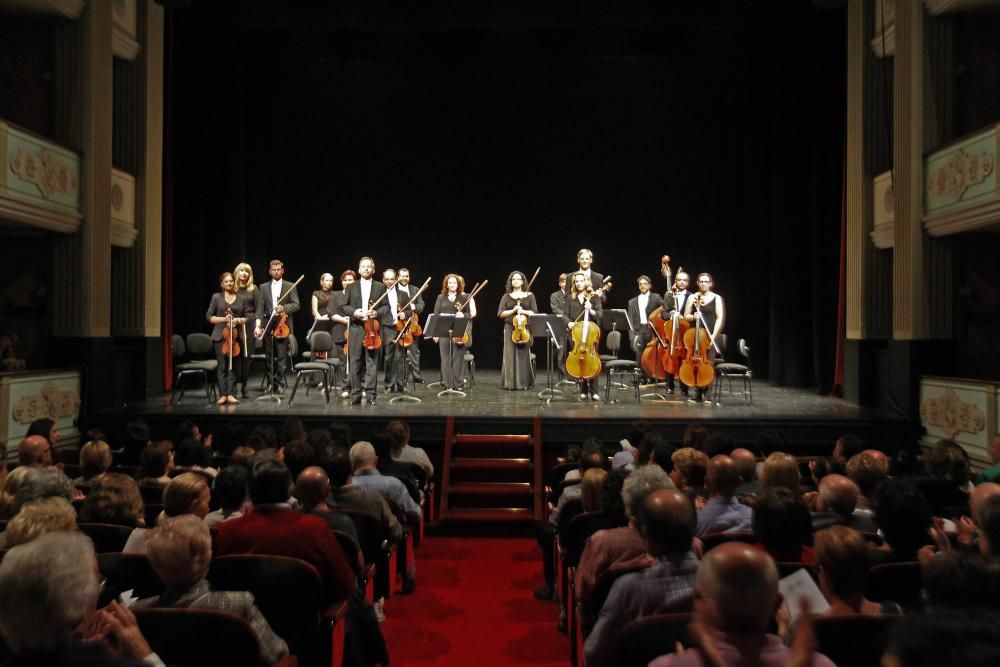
{"points": [[474, 607]]}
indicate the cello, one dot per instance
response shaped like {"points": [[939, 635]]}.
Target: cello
{"points": [[697, 369], [583, 362], [519, 323]]}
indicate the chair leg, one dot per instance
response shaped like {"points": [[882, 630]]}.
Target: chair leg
{"points": [[607, 387], [718, 389], [177, 385], [298, 376]]}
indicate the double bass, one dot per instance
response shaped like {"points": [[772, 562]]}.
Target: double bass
{"points": [[583, 362]]}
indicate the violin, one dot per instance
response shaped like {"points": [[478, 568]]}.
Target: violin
{"points": [[466, 337], [583, 362], [519, 322], [409, 328], [281, 329], [697, 370], [230, 340], [372, 340]]}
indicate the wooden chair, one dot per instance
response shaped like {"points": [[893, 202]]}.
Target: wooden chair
{"points": [[645, 639], [199, 637], [899, 582], [107, 537], [289, 593], [858, 641]]}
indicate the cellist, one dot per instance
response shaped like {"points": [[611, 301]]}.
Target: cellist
{"points": [[228, 306], [363, 362], [583, 297], [639, 309], [710, 307], [516, 371]]}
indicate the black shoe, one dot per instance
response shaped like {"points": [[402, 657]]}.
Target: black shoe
{"points": [[546, 593], [408, 586], [371, 400], [356, 400], [418, 380]]}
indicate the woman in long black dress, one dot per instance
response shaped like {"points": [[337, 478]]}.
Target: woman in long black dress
{"points": [[713, 314], [452, 297], [582, 297], [245, 287], [227, 306], [516, 372]]}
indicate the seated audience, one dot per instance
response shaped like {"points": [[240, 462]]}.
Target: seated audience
{"points": [[746, 461], [903, 516], [180, 551], [951, 638], [663, 456], [992, 473], [95, 460], [947, 483], [10, 487], [312, 488], [783, 527], [842, 556], [868, 471], [34, 451], [242, 456], [156, 463], [188, 493], [344, 494], [957, 580], [590, 489], [723, 513], [666, 522], [47, 429], [844, 448], [39, 517], [690, 468], [389, 467], [403, 451], [42, 483], [737, 596], [694, 437], [136, 439], [836, 504], [195, 456], [231, 491], [780, 470]]}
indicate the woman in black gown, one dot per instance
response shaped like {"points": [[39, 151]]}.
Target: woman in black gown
{"points": [[452, 297], [516, 372], [713, 315], [227, 306], [245, 287]]}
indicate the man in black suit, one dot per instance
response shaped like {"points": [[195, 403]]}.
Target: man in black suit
{"points": [[360, 297], [405, 292], [639, 309], [584, 259], [391, 354], [675, 300], [557, 304], [267, 296]]}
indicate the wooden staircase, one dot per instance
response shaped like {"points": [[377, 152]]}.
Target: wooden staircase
{"points": [[492, 478]]}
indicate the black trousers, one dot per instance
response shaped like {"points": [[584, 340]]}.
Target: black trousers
{"points": [[280, 357], [364, 363]]}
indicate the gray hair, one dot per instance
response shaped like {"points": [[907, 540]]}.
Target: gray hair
{"points": [[46, 587], [362, 452], [639, 484], [43, 483]]}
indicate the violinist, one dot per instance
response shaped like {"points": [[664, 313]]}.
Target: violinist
{"points": [[228, 306], [584, 259], [392, 376], [451, 298], [583, 297], [362, 360], [340, 321], [245, 287], [404, 293], [713, 315], [516, 371], [639, 309], [276, 346], [557, 304]]}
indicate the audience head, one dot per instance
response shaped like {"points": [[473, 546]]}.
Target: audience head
{"points": [[780, 470], [690, 467], [188, 493], [738, 588], [612, 502], [263, 436], [636, 430], [399, 435], [180, 550], [868, 472], [312, 487], [989, 525], [188, 429], [34, 451], [39, 517], [651, 441], [363, 455], [781, 521], [291, 429], [42, 483], [46, 428], [747, 463], [270, 483], [231, 487], [157, 459], [902, 514], [967, 637], [723, 476], [946, 460], [136, 434], [667, 522], [298, 455], [846, 446], [590, 489], [341, 432], [842, 558], [959, 580], [192, 453], [639, 484], [95, 458], [338, 467], [694, 437], [593, 458], [47, 588], [114, 499], [242, 456], [10, 487], [663, 456], [718, 443], [839, 494]]}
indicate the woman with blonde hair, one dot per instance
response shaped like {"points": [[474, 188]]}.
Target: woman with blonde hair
{"points": [[246, 288], [39, 517], [95, 460], [114, 499]]}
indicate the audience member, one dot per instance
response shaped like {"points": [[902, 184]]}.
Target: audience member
{"points": [[292, 429], [956, 580], [868, 472], [782, 526], [344, 494], [904, 517], [231, 492], [42, 483], [95, 460], [737, 597], [666, 521], [966, 638], [188, 493], [842, 556], [34, 451], [663, 456], [242, 456], [771, 440], [746, 461], [297, 455], [39, 517], [382, 442], [262, 436], [694, 437], [836, 504], [780, 470], [718, 443], [9, 492], [989, 525], [136, 439], [312, 488], [947, 484], [191, 454], [590, 489], [690, 467], [723, 513], [844, 448], [46, 428], [156, 463], [403, 451], [992, 473], [180, 551]]}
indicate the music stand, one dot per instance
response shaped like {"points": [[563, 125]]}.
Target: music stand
{"points": [[553, 328], [447, 326]]}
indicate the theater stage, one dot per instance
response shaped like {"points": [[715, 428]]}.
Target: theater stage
{"points": [[810, 422]]}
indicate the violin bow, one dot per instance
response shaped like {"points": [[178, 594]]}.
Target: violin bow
{"points": [[475, 290], [532, 281], [410, 303], [280, 299]]}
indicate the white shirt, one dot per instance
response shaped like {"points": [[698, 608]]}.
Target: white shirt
{"points": [[275, 291], [366, 293], [392, 302], [643, 302]]}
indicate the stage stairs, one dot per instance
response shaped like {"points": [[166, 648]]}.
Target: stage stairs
{"points": [[492, 477]]}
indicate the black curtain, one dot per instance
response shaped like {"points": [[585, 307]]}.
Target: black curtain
{"points": [[483, 151]]}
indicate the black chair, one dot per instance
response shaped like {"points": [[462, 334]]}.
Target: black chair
{"points": [[129, 572], [581, 527], [152, 513], [199, 346], [616, 367], [554, 478], [378, 547], [643, 640], [319, 341], [151, 493], [199, 637], [858, 641], [107, 537], [728, 370], [898, 582]]}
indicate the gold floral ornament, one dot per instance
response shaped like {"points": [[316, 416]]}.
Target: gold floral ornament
{"points": [[959, 173], [50, 401], [951, 415], [45, 171]]}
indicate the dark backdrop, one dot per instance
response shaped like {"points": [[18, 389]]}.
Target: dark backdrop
{"points": [[480, 140]]}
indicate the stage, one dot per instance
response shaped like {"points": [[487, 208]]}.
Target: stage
{"points": [[810, 422]]}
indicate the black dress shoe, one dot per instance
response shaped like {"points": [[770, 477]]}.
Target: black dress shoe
{"points": [[356, 400], [371, 400], [418, 380]]}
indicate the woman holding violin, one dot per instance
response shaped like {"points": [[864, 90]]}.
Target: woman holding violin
{"points": [[583, 305], [245, 287], [707, 306], [228, 312], [454, 301], [515, 306]]}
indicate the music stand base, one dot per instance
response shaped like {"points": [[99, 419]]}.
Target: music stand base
{"points": [[653, 397], [405, 397], [450, 392]]}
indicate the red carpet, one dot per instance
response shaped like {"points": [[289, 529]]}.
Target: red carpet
{"points": [[474, 607]]}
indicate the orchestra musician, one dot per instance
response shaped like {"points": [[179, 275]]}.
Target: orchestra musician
{"points": [[516, 370], [321, 298], [675, 300], [453, 296], [267, 296], [584, 259], [340, 322], [392, 379], [243, 273], [405, 292], [557, 304], [639, 308], [226, 306], [363, 362], [583, 297], [713, 314]]}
